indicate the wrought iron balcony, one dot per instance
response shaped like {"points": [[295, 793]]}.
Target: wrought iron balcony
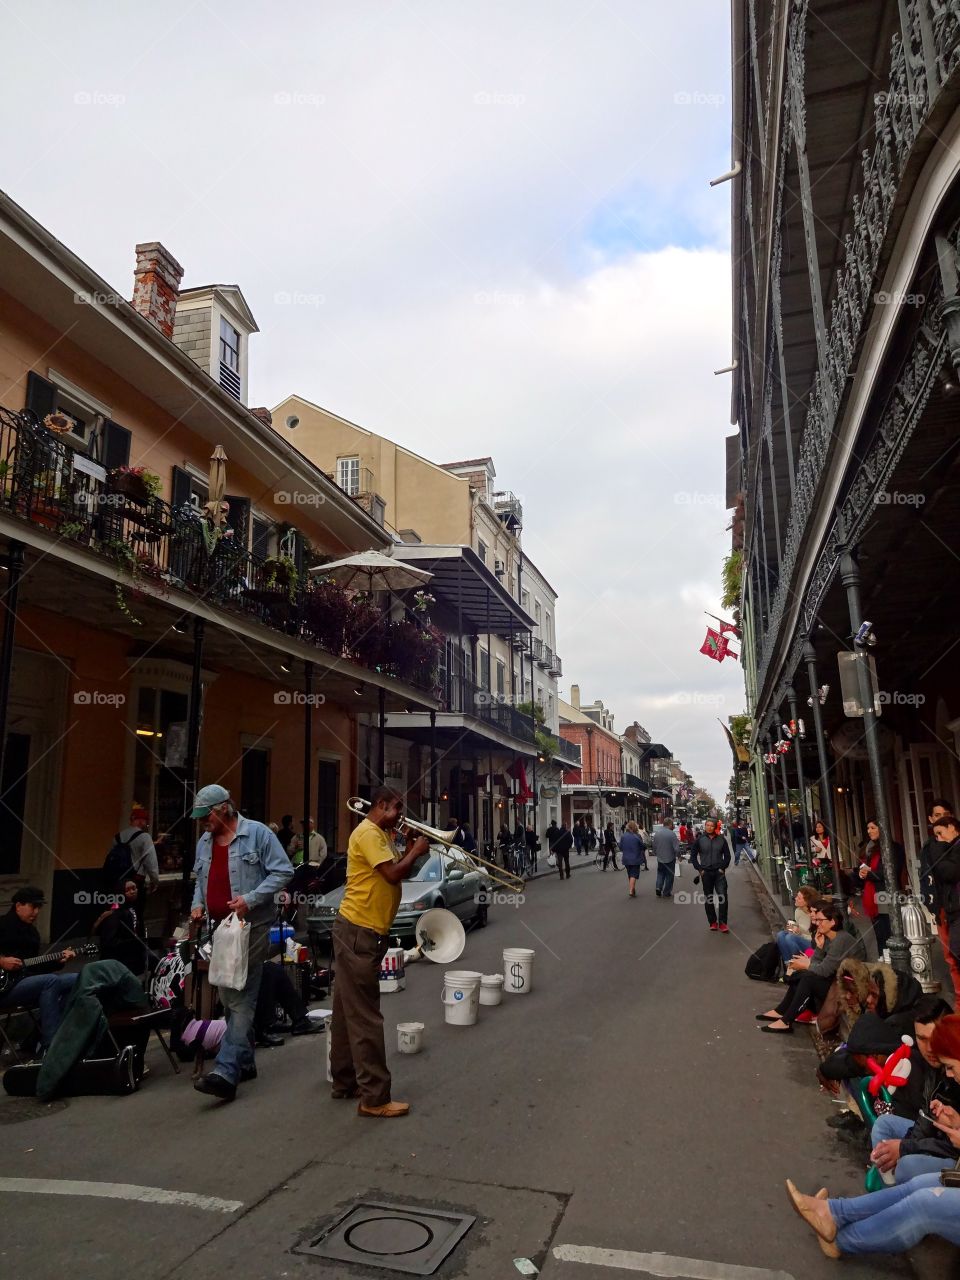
{"points": [[155, 548], [508, 508], [458, 694], [545, 659], [522, 641], [567, 754], [556, 666], [637, 783], [924, 55], [538, 651]]}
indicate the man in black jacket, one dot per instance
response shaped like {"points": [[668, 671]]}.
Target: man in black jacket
{"points": [[560, 847], [42, 988], [945, 870], [710, 855]]}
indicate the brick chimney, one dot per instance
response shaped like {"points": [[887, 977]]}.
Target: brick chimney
{"points": [[156, 285], [264, 414], [575, 696]]}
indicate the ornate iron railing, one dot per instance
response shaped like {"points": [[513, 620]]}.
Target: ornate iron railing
{"points": [[462, 695], [924, 54], [46, 483]]}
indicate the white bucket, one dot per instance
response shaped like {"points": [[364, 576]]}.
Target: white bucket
{"points": [[461, 996], [491, 988], [518, 970], [409, 1037]]}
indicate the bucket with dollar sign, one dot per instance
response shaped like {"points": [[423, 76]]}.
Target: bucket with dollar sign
{"points": [[518, 970]]}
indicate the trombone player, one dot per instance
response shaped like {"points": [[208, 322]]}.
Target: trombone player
{"points": [[358, 1058]]}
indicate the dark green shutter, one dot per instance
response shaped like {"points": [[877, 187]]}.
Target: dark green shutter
{"points": [[180, 490], [41, 396], [116, 445]]}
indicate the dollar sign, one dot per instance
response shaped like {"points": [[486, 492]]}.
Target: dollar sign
{"points": [[516, 972]]}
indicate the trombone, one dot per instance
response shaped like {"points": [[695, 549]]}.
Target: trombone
{"points": [[459, 857]]}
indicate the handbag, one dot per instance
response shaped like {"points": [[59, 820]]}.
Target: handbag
{"points": [[551, 859], [231, 949]]}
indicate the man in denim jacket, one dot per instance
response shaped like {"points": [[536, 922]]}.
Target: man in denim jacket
{"points": [[240, 866]]}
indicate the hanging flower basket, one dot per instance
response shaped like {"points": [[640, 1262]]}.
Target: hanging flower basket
{"points": [[325, 609], [130, 483]]}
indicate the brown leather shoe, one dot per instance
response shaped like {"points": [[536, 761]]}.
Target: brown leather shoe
{"points": [[388, 1111]]}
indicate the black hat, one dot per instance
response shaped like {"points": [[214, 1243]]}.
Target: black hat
{"points": [[30, 895]]}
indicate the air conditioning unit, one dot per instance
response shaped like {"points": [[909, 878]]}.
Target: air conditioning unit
{"points": [[499, 568]]}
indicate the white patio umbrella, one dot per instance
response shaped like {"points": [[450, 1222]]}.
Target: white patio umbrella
{"points": [[373, 571], [215, 507]]}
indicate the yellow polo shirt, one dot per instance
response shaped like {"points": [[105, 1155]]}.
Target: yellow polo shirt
{"points": [[369, 900]]}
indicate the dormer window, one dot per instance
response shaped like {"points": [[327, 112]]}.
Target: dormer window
{"points": [[229, 358]]}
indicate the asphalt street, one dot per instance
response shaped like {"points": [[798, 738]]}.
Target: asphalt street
{"points": [[628, 1103]]}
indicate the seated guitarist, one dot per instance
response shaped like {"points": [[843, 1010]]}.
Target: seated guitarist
{"points": [[41, 988]]}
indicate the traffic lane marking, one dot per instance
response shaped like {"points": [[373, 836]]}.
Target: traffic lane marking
{"points": [[119, 1191], [663, 1264]]}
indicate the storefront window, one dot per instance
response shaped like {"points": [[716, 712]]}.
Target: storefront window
{"points": [[160, 759]]}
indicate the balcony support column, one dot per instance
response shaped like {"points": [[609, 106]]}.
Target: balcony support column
{"points": [[433, 768], [191, 780], [823, 783], [381, 744], [898, 945], [798, 755], [11, 595], [307, 754]]}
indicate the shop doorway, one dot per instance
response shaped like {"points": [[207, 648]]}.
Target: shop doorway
{"points": [[255, 783]]}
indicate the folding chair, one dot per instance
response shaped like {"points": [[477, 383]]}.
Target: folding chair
{"points": [[7, 1042]]}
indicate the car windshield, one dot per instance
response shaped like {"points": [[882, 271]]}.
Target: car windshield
{"points": [[427, 867]]}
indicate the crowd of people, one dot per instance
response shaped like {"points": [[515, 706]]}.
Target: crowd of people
{"points": [[868, 1017]]}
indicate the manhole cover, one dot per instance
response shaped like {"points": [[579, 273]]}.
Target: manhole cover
{"points": [[395, 1237], [16, 1110]]}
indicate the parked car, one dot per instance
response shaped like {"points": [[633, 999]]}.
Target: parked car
{"points": [[438, 880]]}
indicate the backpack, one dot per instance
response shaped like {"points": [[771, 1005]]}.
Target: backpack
{"points": [[764, 964], [118, 864]]}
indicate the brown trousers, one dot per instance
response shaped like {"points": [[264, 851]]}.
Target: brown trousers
{"points": [[358, 1056]]}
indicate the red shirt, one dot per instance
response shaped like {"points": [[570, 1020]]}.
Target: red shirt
{"points": [[218, 883]]}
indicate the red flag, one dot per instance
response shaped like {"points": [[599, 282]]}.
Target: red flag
{"points": [[715, 645], [517, 770]]}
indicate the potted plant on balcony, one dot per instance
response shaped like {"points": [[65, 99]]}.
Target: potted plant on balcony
{"points": [[414, 652], [325, 609], [366, 632], [136, 483], [280, 574]]}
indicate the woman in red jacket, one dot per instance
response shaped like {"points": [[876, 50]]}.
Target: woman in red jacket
{"points": [[876, 896]]}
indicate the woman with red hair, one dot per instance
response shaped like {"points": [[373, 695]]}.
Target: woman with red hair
{"points": [[897, 1218]]}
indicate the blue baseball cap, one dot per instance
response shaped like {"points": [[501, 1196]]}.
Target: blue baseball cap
{"points": [[207, 798]]}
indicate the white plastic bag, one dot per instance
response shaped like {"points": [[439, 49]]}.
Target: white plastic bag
{"points": [[231, 947]]}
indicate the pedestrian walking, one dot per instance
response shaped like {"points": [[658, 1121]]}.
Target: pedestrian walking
{"points": [[579, 835], [945, 870], [633, 851], [710, 857], [591, 836], [240, 867], [934, 848], [610, 846], [560, 847], [316, 847], [666, 850], [361, 936]]}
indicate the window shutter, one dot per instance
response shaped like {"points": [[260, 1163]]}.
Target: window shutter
{"points": [[116, 445], [41, 396], [180, 492], [239, 519]]}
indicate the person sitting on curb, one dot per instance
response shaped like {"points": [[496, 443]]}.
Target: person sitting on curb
{"points": [[908, 1147], [810, 977], [796, 939], [895, 1219]]}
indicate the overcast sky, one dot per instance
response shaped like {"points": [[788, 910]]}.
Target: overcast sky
{"points": [[474, 226]]}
